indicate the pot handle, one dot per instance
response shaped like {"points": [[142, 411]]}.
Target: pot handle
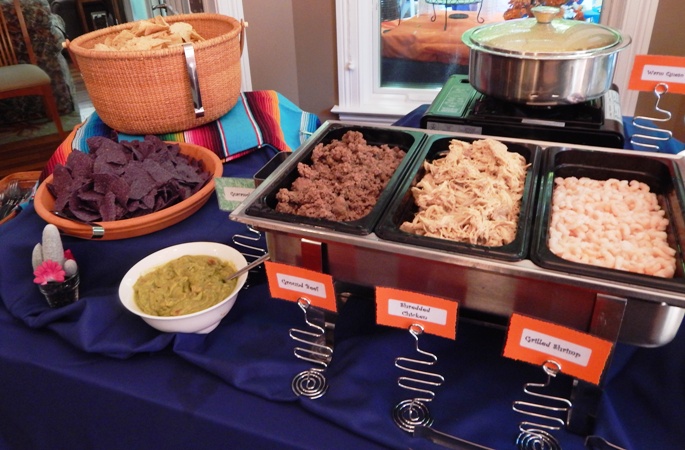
{"points": [[545, 14]]}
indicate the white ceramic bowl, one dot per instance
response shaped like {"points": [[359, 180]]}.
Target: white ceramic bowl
{"points": [[201, 322]]}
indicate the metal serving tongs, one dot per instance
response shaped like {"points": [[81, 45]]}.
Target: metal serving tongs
{"points": [[455, 443], [446, 440], [191, 67], [599, 443]]}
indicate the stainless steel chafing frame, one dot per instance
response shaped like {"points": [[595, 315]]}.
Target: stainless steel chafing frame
{"points": [[617, 311]]}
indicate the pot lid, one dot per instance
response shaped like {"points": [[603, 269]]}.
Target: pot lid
{"points": [[545, 34]]}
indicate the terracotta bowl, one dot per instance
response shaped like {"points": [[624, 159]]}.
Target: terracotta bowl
{"points": [[200, 322], [126, 228]]}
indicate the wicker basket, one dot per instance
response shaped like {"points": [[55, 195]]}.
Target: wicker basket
{"points": [[149, 92]]}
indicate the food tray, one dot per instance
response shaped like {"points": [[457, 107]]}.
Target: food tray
{"points": [[270, 166], [402, 208], [663, 178], [265, 205]]}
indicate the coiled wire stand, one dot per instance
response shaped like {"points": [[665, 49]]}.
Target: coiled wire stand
{"points": [[549, 416], [412, 412], [248, 242], [646, 124], [311, 383], [247, 245]]}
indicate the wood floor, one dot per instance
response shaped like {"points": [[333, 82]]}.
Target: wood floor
{"points": [[32, 154]]}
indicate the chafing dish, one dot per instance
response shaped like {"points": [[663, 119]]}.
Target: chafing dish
{"points": [[623, 308]]}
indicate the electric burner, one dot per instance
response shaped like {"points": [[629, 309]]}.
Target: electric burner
{"points": [[460, 108]]}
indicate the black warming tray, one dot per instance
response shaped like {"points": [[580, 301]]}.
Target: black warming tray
{"points": [[403, 208], [285, 175], [662, 176]]}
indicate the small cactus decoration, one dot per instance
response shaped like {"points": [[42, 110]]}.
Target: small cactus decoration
{"points": [[49, 260]]}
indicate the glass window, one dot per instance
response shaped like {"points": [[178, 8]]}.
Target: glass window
{"points": [[374, 90], [420, 40]]}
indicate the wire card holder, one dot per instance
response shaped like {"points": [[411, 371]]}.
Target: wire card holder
{"points": [[311, 383], [646, 124], [247, 242], [550, 414], [412, 412], [247, 245]]}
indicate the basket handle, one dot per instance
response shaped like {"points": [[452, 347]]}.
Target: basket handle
{"points": [[191, 65], [243, 25], [72, 57]]}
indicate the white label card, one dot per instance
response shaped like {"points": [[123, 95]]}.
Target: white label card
{"points": [[664, 74], [556, 347], [409, 310], [301, 285]]}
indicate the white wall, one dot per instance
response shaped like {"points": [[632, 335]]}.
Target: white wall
{"points": [[271, 39]]}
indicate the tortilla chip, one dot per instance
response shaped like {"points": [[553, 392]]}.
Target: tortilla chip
{"points": [[124, 180], [150, 34]]}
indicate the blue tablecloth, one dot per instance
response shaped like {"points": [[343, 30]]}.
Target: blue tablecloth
{"points": [[91, 375]]}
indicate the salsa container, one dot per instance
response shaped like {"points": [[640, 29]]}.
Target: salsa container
{"points": [[403, 208]]}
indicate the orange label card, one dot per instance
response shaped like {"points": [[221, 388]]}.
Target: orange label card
{"points": [[535, 341], [650, 70], [291, 283], [401, 309]]}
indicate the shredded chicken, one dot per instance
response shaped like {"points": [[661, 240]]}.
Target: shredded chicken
{"points": [[473, 194]]}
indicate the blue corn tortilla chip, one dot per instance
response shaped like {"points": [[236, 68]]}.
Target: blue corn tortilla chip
{"points": [[80, 165], [121, 180], [160, 174], [138, 179], [108, 207]]}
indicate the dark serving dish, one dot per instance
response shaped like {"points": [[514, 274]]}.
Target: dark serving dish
{"points": [[662, 176], [268, 168], [265, 206], [402, 207]]}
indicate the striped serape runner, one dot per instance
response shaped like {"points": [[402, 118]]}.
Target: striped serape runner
{"points": [[258, 118]]}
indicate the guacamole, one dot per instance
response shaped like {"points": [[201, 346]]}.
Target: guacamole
{"points": [[185, 285]]}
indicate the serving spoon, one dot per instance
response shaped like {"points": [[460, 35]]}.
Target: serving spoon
{"points": [[248, 267], [98, 231]]}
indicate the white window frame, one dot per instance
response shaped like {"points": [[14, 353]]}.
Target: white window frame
{"points": [[362, 99], [234, 8]]}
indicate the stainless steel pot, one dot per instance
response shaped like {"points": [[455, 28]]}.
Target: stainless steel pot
{"points": [[543, 61]]}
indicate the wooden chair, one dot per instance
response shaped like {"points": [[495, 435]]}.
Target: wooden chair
{"points": [[20, 79]]}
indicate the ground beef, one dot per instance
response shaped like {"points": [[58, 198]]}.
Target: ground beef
{"points": [[343, 182]]}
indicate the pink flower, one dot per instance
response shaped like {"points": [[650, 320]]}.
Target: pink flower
{"points": [[48, 271], [68, 254]]}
